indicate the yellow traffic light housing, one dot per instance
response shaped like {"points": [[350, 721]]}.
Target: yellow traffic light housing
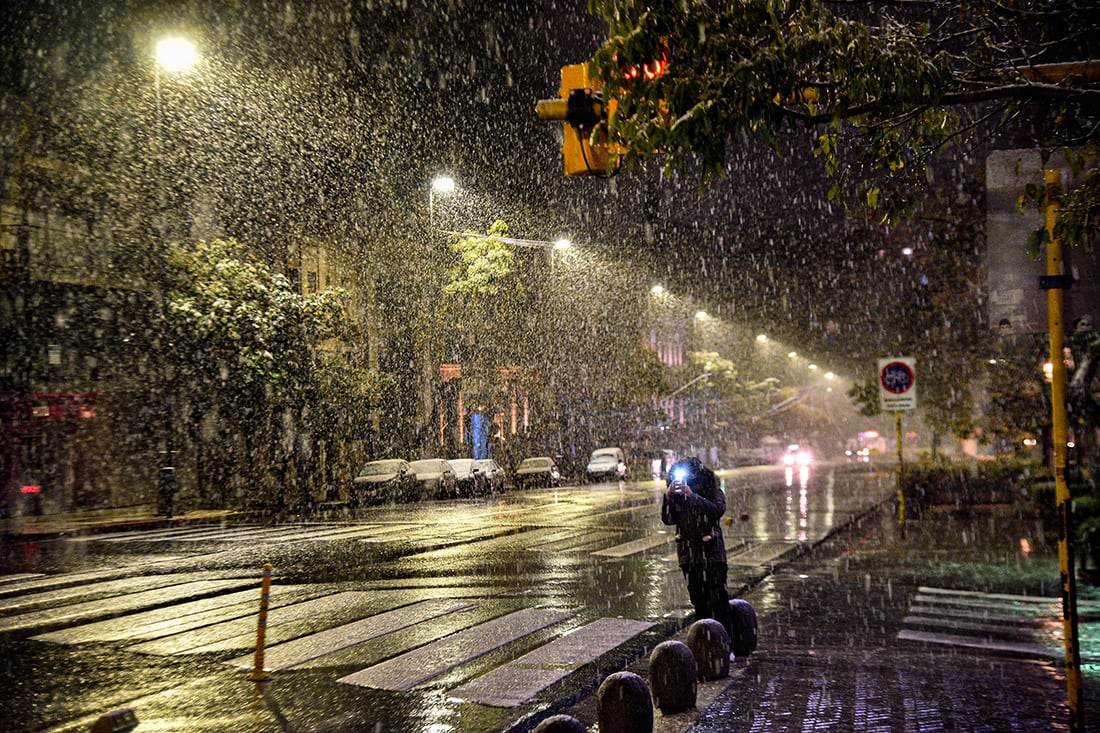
{"points": [[580, 105]]}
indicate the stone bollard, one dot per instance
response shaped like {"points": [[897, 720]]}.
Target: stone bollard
{"points": [[673, 677], [743, 637], [561, 724], [710, 644], [624, 705]]}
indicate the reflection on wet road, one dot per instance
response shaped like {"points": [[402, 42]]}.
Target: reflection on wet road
{"points": [[470, 606]]}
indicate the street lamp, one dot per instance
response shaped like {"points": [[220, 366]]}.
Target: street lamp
{"points": [[175, 55], [442, 185]]}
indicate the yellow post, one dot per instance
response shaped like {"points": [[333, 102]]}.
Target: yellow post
{"points": [[901, 474], [258, 674], [1055, 301]]}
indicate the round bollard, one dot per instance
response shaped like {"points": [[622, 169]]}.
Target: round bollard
{"points": [[561, 724], [673, 676], [710, 644], [624, 705], [743, 637]]}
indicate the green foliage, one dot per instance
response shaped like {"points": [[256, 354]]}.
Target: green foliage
{"points": [[246, 348], [487, 263], [888, 88], [865, 395], [1078, 208], [235, 322]]}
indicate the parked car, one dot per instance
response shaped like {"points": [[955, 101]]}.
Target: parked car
{"points": [[537, 471], [468, 478], [603, 464], [390, 479], [435, 477], [492, 475]]}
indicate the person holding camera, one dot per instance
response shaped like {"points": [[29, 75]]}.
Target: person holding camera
{"points": [[694, 503]]}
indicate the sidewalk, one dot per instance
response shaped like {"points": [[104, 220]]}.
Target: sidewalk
{"points": [[837, 651], [97, 521]]}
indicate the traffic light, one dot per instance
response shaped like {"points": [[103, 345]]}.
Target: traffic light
{"points": [[580, 105]]}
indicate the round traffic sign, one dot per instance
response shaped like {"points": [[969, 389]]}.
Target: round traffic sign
{"points": [[897, 377]]}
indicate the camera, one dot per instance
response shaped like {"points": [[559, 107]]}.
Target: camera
{"points": [[677, 487]]}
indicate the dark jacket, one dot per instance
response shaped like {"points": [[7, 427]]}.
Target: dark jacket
{"points": [[697, 518]]}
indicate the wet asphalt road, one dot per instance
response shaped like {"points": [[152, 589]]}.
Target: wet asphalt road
{"points": [[829, 656]]}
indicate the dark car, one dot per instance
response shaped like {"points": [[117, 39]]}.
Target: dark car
{"points": [[435, 477], [537, 471], [390, 479], [491, 473]]}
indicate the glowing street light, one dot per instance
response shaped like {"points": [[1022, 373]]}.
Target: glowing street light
{"points": [[442, 185], [176, 55]]}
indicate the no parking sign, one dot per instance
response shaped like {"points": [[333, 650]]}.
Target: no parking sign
{"points": [[897, 379]]}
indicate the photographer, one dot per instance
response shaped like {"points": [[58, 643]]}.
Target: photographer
{"points": [[694, 503]]}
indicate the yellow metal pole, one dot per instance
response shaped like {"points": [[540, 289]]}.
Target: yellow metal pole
{"points": [[1055, 302], [258, 674], [901, 491]]}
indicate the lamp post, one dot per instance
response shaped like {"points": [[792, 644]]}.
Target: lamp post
{"points": [[441, 185], [175, 55], [431, 386]]}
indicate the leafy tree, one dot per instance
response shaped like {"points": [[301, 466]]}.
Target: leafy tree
{"points": [[487, 299], [244, 349], [886, 88], [888, 85]]}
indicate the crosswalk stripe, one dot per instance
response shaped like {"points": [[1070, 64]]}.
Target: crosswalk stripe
{"points": [[526, 539], [381, 534], [402, 673], [977, 642], [996, 623], [117, 604], [177, 618], [241, 632], [516, 682], [762, 553], [955, 593], [111, 586], [632, 548], [293, 653], [578, 542]]}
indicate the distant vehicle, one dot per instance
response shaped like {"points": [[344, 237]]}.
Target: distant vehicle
{"points": [[435, 477], [492, 475], [860, 448], [603, 464], [536, 471], [660, 461], [384, 480], [796, 455], [468, 478]]}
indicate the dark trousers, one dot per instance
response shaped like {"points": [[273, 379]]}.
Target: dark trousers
{"points": [[707, 590]]}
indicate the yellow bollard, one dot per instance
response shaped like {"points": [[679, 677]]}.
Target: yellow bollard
{"points": [[258, 674]]}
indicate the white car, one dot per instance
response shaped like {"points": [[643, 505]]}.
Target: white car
{"points": [[604, 463], [435, 476], [492, 474]]}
